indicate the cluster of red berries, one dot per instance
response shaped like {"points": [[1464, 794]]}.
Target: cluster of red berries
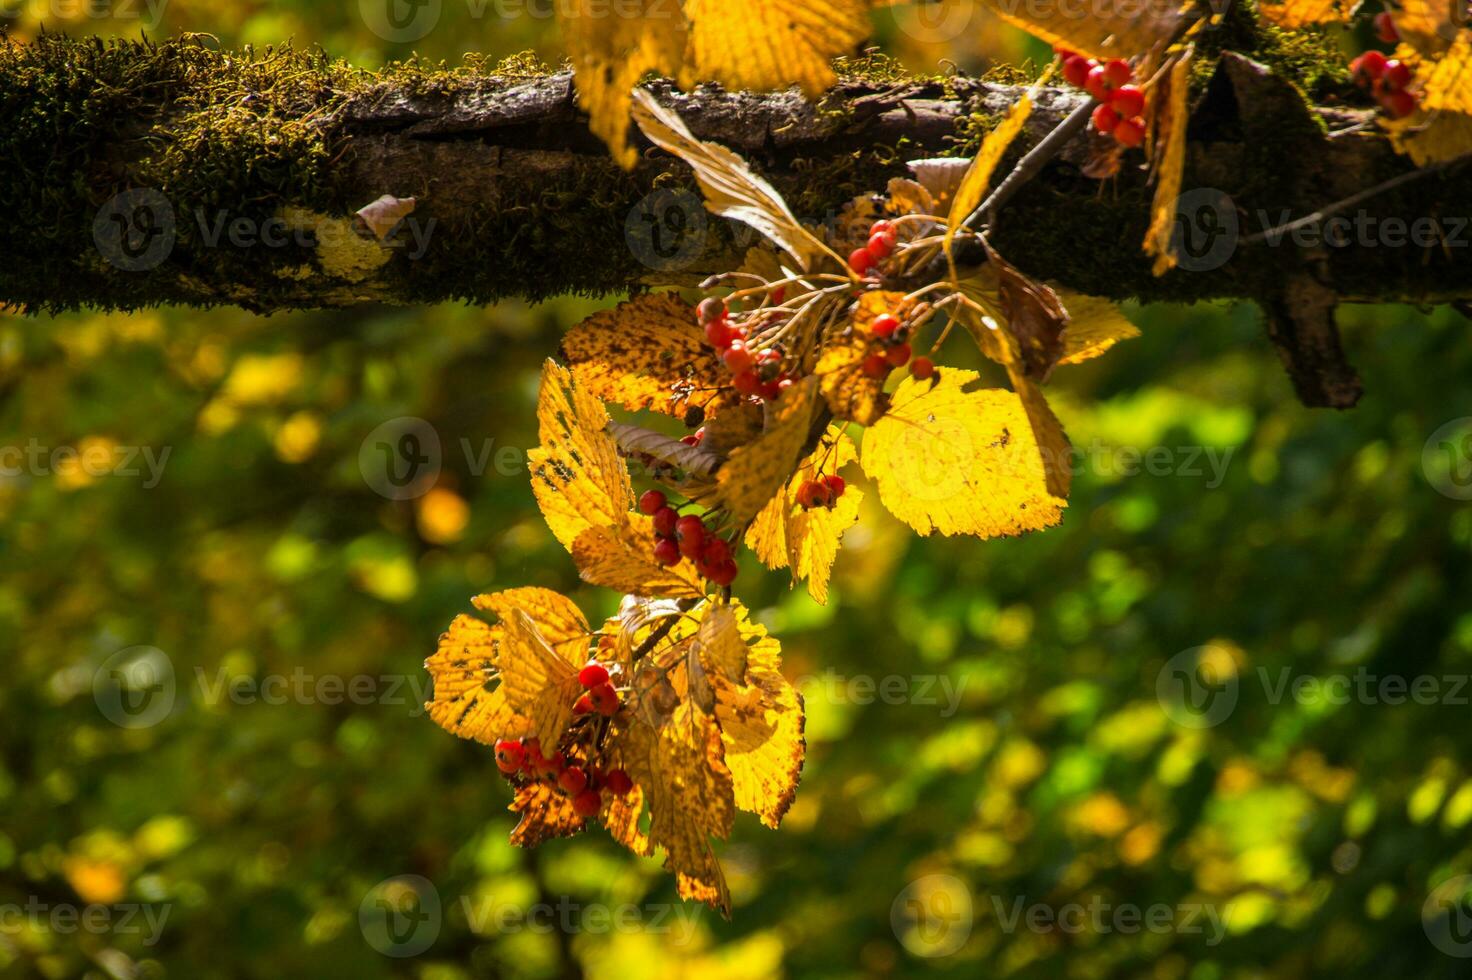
{"points": [[598, 694], [584, 783], [822, 492], [754, 373], [892, 335], [686, 536], [1388, 79], [1121, 104], [882, 240]]}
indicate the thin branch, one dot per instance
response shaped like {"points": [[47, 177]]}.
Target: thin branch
{"points": [[1033, 162]]}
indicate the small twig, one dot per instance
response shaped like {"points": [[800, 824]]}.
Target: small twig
{"points": [[1034, 161], [1351, 201]]}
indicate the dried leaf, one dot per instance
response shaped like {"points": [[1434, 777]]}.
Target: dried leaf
{"points": [[1094, 325], [383, 215], [1033, 314], [1170, 148], [545, 814], [979, 174]]}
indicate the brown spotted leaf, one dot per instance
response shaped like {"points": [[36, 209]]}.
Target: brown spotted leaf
{"points": [[546, 814], [754, 473]]}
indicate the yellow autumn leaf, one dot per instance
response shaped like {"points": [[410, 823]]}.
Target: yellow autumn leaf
{"points": [[1107, 31], [1432, 139], [731, 188], [545, 813], [1170, 141], [786, 535], [539, 684], [1428, 27], [622, 558], [979, 174], [1047, 432], [1094, 325], [959, 461], [462, 668], [1446, 80], [1293, 14], [647, 353], [774, 43], [850, 393], [754, 473], [578, 477], [611, 48], [560, 621]]}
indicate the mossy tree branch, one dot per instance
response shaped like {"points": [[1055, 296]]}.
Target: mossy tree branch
{"points": [[262, 160]]}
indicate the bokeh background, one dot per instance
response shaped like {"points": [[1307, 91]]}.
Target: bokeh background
{"points": [[1089, 766]]}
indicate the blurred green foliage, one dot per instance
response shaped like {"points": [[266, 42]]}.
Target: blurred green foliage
{"points": [[1027, 764]]}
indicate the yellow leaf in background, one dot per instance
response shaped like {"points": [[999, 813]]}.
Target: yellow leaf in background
{"points": [[1104, 31], [560, 621], [1426, 140], [622, 559], [772, 44], [1170, 144], [850, 393], [754, 473], [979, 175], [1427, 26], [1094, 326], [539, 684], [960, 462], [463, 668], [731, 188], [644, 352], [718, 653], [1047, 433], [546, 814], [1293, 14], [578, 477], [611, 47], [1446, 81], [806, 541]]}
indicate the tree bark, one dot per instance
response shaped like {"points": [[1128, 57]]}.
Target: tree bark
{"points": [[249, 168]]}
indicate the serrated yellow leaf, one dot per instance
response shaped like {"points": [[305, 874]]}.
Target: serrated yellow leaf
{"points": [[647, 353], [960, 462], [754, 473], [463, 668], [718, 653], [560, 621], [1427, 27], [611, 48], [622, 559], [979, 174], [1104, 31], [1094, 325], [539, 684], [1170, 129], [578, 477], [1446, 81], [1293, 14], [786, 535], [773, 43], [546, 814]]}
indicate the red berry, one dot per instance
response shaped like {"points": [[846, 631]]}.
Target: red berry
{"points": [[618, 782], [604, 698], [593, 674], [768, 357], [861, 260], [1370, 65], [836, 485], [724, 574], [737, 357], [651, 501], [1118, 72], [666, 551], [881, 227], [1127, 100], [716, 550], [583, 705], [771, 391], [718, 333], [1385, 28], [1398, 104], [690, 529], [587, 803], [1130, 132], [922, 368], [552, 763], [1105, 118], [710, 309], [807, 494], [778, 295], [898, 355], [1076, 70], [664, 521], [876, 366], [1096, 83], [509, 755], [574, 780], [747, 383], [884, 325], [1397, 75], [880, 245]]}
